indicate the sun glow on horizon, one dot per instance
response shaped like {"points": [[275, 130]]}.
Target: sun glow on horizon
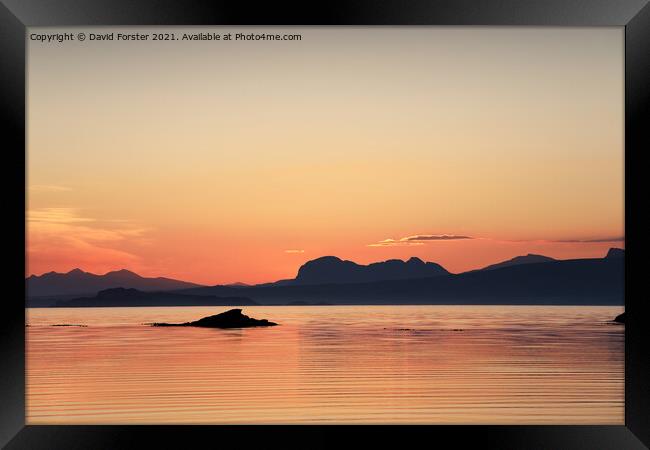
{"points": [[231, 163]]}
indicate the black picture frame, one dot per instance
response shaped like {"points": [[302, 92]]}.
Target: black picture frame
{"points": [[17, 15]]}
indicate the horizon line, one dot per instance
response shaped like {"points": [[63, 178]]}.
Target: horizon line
{"points": [[313, 259]]}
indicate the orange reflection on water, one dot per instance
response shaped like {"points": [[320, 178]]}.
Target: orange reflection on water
{"points": [[328, 364]]}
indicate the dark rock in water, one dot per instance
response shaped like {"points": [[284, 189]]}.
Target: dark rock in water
{"points": [[620, 318], [229, 319]]}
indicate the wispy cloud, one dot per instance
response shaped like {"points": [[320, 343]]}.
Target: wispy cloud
{"points": [[394, 243], [56, 215], [418, 239], [586, 241], [435, 237], [294, 251], [422, 239], [64, 237]]}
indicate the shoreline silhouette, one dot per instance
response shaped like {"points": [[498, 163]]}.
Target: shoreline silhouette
{"points": [[529, 279]]}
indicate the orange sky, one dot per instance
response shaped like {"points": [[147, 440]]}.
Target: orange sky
{"points": [[240, 161]]}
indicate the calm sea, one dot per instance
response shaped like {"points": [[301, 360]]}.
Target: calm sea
{"points": [[328, 364]]}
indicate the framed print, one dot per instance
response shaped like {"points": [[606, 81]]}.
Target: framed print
{"points": [[382, 222]]}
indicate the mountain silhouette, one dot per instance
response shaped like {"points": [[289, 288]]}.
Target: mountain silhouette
{"points": [[330, 269], [78, 282], [527, 259], [595, 281], [134, 297], [615, 253], [528, 279]]}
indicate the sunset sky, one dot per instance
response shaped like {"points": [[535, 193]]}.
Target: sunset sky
{"points": [[218, 162]]}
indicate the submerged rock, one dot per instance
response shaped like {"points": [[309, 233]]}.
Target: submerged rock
{"points": [[620, 318], [230, 319]]}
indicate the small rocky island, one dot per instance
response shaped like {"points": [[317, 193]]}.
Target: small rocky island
{"points": [[620, 318], [230, 319]]}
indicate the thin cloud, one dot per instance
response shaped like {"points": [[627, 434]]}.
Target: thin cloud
{"points": [[418, 239], [294, 251], [56, 215], [394, 243], [566, 241], [434, 237], [422, 239], [62, 236], [586, 241]]}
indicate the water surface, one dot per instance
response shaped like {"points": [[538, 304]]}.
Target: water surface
{"points": [[328, 364]]}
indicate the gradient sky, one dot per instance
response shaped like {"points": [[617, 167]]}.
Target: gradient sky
{"points": [[218, 162]]}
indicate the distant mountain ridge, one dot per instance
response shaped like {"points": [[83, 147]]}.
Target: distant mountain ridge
{"points": [[517, 260], [330, 269], [595, 281], [615, 253], [78, 282], [527, 279], [133, 297]]}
